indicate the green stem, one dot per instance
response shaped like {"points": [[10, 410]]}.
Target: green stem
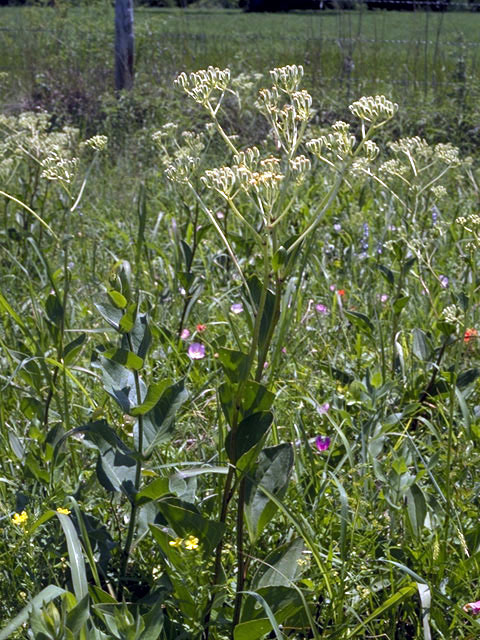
{"points": [[138, 473]]}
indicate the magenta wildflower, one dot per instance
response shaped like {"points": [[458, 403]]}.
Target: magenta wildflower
{"points": [[196, 351], [472, 607], [383, 297], [322, 443], [185, 334], [321, 308], [236, 308]]}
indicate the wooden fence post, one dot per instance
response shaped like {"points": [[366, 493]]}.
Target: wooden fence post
{"points": [[124, 40]]}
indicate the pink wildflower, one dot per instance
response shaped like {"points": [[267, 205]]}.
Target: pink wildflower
{"points": [[196, 351]]}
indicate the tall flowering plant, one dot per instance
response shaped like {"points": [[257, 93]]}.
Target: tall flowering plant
{"points": [[262, 189]]}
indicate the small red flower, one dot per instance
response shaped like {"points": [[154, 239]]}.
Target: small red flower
{"points": [[469, 335], [201, 327], [341, 292]]}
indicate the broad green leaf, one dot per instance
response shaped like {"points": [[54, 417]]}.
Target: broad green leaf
{"points": [[239, 635], [119, 382], [78, 616], [15, 445], [185, 520], [116, 471], [73, 348], [420, 347], [279, 259], [154, 620], [272, 472], [361, 321], [256, 398], [44, 597], [140, 336], [115, 464], [126, 358], [234, 363], [417, 508], [467, 377], [75, 555], [159, 423], [252, 629], [249, 433], [127, 321], [117, 299], [226, 393], [400, 303], [111, 314], [153, 491], [280, 567], [54, 309], [387, 274], [256, 286], [154, 393]]}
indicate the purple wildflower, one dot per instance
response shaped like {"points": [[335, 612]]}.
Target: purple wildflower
{"points": [[196, 351], [323, 408], [321, 308], [236, 308], [322, 443], [443, 281], [185, 334]]}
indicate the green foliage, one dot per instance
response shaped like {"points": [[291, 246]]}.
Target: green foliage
{"points": [[262, 420]]}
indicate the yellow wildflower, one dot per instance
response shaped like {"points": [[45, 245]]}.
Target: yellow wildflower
{"points": [[176, 543], [63, 510], [191, 543], [20, 518]]}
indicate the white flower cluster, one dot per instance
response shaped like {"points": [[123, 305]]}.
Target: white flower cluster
{"points": [[182, 168], [97, 143], [288, 78], [453, 315], [374, 109], [201, 84], [58, 168]]}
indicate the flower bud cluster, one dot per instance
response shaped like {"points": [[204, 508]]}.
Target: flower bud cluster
{"points": [[97, 143], [182, 168], [394, 167], [248, 158], [300, 166], [201, 84], [374, 109], [167, 131], [287, 78], [341, 142], [57, 168], [411, 147], [453, 315], [222, 179], [448, 154]]}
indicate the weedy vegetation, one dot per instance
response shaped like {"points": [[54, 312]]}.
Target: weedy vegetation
{"points": [[239, 334]]}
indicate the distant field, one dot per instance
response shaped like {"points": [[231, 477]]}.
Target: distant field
{"points": [[422, 60]]}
